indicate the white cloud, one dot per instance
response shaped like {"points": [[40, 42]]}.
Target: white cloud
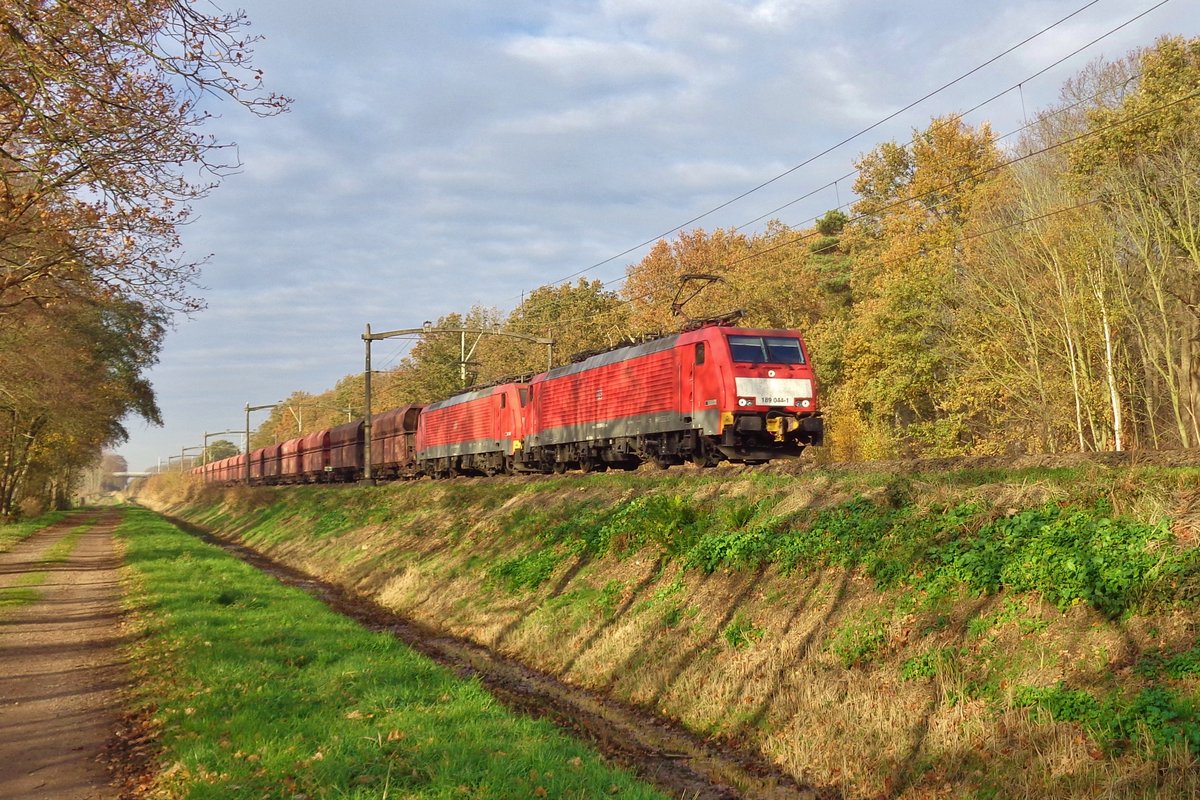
{"points": [[578, 59]]}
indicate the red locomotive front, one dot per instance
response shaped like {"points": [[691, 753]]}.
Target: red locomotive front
{"points": [[709, 394], [752, 392]]}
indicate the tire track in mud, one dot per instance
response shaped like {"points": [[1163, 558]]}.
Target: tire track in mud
{"points": [[660, 751]]}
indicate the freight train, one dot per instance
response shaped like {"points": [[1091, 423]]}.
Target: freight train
{"points": [[715, 393]]}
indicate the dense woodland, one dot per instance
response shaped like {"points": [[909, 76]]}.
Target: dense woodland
{"points": [[102, 148], [1037, 292]]}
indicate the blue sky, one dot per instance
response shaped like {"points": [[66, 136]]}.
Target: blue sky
{"points": [[442, 155]]}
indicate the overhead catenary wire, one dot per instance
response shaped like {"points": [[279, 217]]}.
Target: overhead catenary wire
{"points": [[960, 115], [791, 241], [961, 239], [563, 322], [860, 133], [1021, 222], [953, 118], [989, 170], [406, 342]]}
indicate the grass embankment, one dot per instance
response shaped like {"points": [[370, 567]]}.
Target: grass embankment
{"points": [[981, 633], [23, 590], [260, 691]]}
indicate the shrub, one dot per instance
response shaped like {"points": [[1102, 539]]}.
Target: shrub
{"points": [[526, 572], [741, 632]]}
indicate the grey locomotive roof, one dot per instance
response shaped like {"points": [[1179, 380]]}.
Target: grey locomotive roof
{"points": [[615, 356], [465, 397]]}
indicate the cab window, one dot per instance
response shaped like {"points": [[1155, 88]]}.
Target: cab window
{"points": [[766, 349]]}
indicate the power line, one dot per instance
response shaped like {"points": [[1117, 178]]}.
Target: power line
{"points": [[404, 345], [842, 143], [981, 173], [952, 119], [980, 105], [917, 197], [1024, 221]]}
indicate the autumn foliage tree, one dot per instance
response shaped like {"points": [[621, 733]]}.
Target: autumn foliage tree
{"points": [[69, 380], [102, 105], [103, 108], [901, 362], [1143, 166]]}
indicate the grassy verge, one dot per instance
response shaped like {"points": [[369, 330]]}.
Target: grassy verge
{"points": [[971, 632], [260, 691]]}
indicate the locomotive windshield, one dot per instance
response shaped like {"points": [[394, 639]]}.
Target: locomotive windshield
{"points": [[766, 349]]}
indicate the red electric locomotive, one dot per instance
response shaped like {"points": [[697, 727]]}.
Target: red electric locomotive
{"points": [[707, 395], [480, 431]]}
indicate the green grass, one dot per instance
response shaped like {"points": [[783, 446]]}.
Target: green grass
{"points": [[1069, 552], [260, 691], [974, 587], [1156, 717], [23, 592], [1077, 549]]}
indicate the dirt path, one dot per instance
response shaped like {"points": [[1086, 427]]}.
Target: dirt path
{"points": [[59, 668]]}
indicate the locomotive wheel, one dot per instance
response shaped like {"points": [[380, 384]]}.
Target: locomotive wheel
{"points": [[560, 467], [663, 462]]}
